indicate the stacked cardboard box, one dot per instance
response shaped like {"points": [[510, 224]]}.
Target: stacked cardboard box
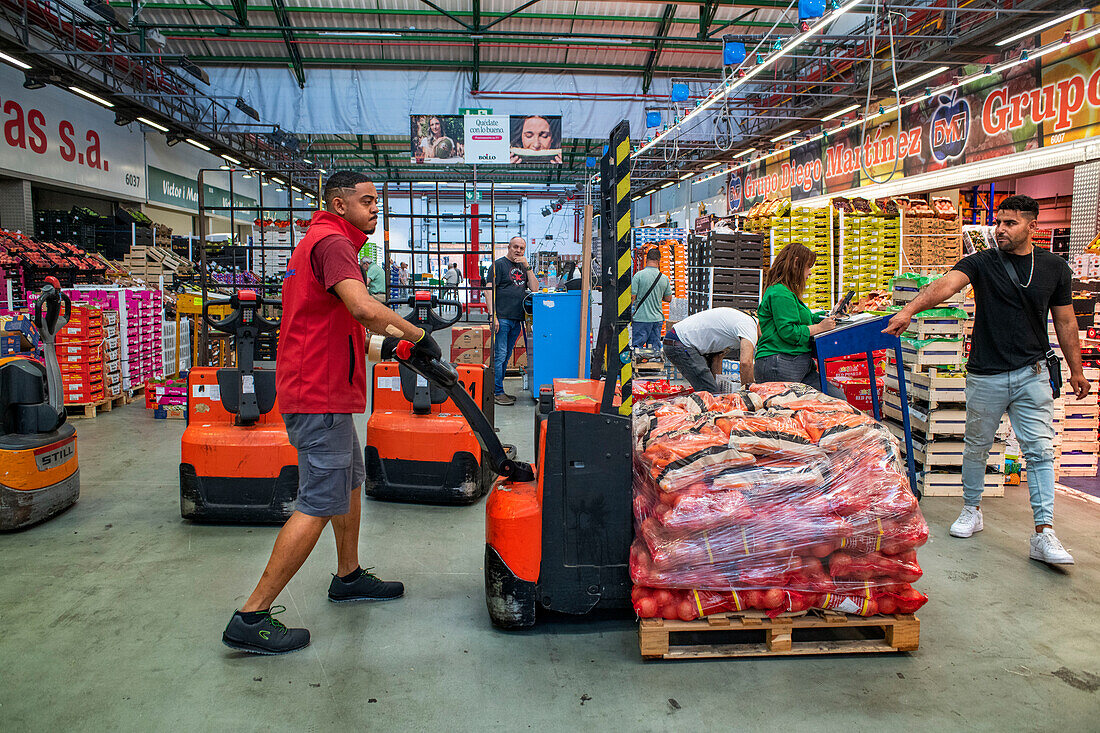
{"points": [[19, 337], [471, 344], [80, 355], [931, 243], [112, 354], [869, 251], [140, 313]]}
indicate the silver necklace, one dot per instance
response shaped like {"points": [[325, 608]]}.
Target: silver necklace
{"points": [[1032, 272]]}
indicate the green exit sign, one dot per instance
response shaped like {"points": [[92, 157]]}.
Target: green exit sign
{"points": [[474, 111], [473, 195]]}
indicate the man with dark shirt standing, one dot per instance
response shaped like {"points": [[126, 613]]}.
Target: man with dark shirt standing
{"points": [[1007, 368], [321, 382], [510, 278]]}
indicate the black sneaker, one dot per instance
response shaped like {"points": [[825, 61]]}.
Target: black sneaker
{"points": [[266, 636], [366, 587]]}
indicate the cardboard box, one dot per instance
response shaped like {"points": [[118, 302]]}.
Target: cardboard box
{"points": [[469, 356], [519, 358], [470, 337]]}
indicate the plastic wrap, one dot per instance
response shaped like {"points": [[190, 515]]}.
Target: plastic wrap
{"points": [[778, 498]]}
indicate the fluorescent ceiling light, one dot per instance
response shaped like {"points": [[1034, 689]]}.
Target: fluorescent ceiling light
{"points": [[668, 184], [636, 198], [278, 180], [307, 161], [360, 34], [918, 79], [1042, 26], [838, 113], [14, 62], [231, 159], [708, 167], [785, 135], [743, 153], [94, 97], [309, 195], [198, 145], [224, 168], [150, 123], [689, 174], [591, 39]]}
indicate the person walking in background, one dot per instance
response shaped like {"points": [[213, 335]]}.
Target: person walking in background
{"points": [[451, 278], [403, 279], [1015, 285], [649, 288], [787, 327], [697, 345], [510, 277]]}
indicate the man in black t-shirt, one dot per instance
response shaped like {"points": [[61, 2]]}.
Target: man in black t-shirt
{"points": [[509, 278], [1007, 369]]}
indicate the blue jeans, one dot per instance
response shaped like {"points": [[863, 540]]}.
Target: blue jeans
{"points": [[508, 331], [647, 334], [1026, 395]]}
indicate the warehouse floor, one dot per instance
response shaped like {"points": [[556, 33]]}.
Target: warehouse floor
{"points": [[112, 615]]}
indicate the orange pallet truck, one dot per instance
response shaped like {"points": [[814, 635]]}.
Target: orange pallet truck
{"points": [[236, 462], [39, 472], [557, 535], [419, 447]]}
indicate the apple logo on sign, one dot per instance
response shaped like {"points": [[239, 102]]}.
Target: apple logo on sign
{"points": [[950, 127], [733, 195]]}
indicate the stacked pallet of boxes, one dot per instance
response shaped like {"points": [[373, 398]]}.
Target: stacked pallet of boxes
{"points": [[784, 224], [931, 235], [869, 242], [112, 354], [140, 313], [933, 365], [672, 244], [738, 259], [156, 265], [471, 344], [1076, 438], [19, 337], [272, 242], [80, 355]]}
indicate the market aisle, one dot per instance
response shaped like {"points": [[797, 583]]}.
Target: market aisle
{"points": [[116, 608]]}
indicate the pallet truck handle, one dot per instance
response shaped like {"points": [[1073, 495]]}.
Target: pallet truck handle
{"points": [[444, 376], [58, 309]]}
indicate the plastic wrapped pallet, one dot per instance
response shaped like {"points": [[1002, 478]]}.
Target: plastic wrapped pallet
{"points": [[778, 498]]}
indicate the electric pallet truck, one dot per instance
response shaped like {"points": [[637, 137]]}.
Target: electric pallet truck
{"points": [[558, 536], [236, 462], [39, 472], [419, 447]]}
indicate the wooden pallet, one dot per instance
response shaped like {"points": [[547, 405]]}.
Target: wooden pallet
{"points": [[927, 328], [937, 354], [731, 635], [88, 410]]}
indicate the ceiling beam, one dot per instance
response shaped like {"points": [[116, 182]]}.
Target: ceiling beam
{"points": [[707, 9], [651, 62], [295, 59], [443, 12], [240, 7]]}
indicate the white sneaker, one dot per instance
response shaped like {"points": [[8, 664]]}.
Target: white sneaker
{"points": [[969, 522], [1046, 548]]}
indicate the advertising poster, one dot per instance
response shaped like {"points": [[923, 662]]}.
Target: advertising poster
{"points": [[437, 139], [487, 139], [535, 140]]}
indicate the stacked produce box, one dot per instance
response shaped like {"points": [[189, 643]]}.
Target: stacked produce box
{"points": [[19, 337], [112, 354], [738, 259], [811, 227], [140, 313], [931, 234], [471, 344], [778, 498], [672, 244], [27, 263], [80, 355], [167, 398], [869, 242], [933, 365], [1076, 438]]}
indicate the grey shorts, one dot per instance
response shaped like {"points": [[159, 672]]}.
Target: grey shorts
{"points": [[330, 461]]}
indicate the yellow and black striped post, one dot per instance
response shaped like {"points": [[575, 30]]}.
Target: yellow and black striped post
{"points": [[615, 227]]}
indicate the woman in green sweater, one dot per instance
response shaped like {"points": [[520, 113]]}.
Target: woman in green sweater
{"points": [[783, 353]]}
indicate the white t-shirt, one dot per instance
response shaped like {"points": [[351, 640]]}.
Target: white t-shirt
{"points": [[717, 329]]}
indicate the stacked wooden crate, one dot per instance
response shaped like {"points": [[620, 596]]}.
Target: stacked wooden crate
{"points": [[152, 263], [933, 365], [738, 260], [1076, 422]]}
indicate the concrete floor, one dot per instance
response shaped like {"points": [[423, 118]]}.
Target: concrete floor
{"points": [[111, 616]]}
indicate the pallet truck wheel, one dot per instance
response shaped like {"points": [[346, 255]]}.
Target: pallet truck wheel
{"points": [[510, 600]]}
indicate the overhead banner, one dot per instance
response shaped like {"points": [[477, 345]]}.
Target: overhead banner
{"points": [[176, 190], [1037, 104], [53, 135], [536, 139], [487, 139]]}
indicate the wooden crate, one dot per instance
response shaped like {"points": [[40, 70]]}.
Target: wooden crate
{"points": [[732, 635], [944, 483], [927, 328], [936, 354], [934, 386]]}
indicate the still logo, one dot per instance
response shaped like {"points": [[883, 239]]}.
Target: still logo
{"points": [[54, 456]]}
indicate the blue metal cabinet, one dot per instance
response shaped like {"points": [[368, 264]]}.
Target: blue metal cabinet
{"points": [[555, 344]]}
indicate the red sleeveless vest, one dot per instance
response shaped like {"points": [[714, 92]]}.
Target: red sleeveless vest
{"points": [[321, 363]]}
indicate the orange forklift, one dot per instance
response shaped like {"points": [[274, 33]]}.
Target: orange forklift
{"points": [[39, 472], [236, 462], [557, 535], [419, 447]]}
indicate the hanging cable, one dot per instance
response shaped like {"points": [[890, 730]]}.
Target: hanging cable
{"points": [[867, 102]]}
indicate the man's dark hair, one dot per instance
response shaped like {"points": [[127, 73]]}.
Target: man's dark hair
{"points": [[1021, 203], [653, 255], [342, 183]]}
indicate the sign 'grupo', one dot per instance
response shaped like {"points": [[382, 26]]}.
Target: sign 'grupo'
{"points": [[1054, 103], [59, 137]]}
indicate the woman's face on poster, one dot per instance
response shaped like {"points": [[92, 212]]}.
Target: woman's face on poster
{"points": [[536, 134], [436, 126]]}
